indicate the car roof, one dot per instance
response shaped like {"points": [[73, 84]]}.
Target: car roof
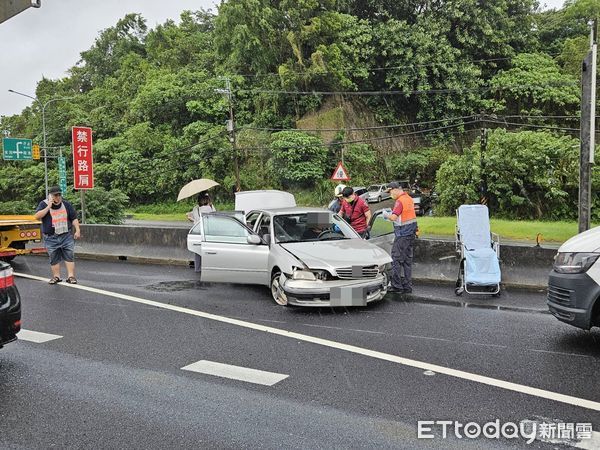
{"points": [[296, 210]]}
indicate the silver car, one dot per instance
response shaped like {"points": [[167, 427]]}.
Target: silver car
{"points": [[377, 193], [307, 256]]}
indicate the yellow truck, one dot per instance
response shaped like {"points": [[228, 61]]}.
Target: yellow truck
{"points": [[15, 233]]}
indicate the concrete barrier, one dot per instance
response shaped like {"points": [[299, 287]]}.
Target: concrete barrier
{"points": [[167, 245], [436, 260], [521, 265]]}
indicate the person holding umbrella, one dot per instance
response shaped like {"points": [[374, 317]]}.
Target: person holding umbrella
{"points": [[204, 206]]}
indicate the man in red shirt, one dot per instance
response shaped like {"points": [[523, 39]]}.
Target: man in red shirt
{"points": [[356, 212]]}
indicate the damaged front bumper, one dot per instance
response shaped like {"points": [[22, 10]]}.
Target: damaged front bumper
{"points": [[358, 292]]}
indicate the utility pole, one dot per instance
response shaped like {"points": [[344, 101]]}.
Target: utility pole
{"points": [[587, 130], [231, 130], [483, 148]]}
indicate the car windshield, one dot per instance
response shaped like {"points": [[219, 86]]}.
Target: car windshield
{"points": [[313, 226], [374, 188]]}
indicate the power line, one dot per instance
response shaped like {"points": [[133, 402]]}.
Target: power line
{"points": [[549, 127], [361, 141], [377, 69], [396, 92], [380, 127]]}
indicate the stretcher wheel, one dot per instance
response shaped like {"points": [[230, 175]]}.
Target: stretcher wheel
{"points": [[459, 291]]}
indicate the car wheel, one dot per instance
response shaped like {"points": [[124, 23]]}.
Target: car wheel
{"points": [[379, 199], [277, 291]]}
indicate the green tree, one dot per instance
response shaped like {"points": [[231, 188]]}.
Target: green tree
{"points": [[534, 85], [102, 206], [103, 59], [298, 158], [529, 175], [420, 58]]}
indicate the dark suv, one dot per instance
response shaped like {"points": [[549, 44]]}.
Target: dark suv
{"points": [[422, 200], [10, 305]]}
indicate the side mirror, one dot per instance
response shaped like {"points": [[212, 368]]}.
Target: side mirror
{"points": [[254, 239]]}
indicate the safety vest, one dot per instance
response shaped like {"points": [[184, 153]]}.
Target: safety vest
{"points": [[408, 209]]}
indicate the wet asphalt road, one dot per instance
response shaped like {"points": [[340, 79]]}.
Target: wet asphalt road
{"points": [[114, 378]]}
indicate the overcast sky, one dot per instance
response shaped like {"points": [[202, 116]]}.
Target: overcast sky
{"points": [[46, 42]]}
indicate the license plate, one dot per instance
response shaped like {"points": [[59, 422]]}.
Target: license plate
{"points": [[348, 296]]}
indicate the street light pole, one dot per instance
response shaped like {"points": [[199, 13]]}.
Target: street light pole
{"points": [[43, 106]]}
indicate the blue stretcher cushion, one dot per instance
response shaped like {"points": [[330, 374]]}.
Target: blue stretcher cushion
{"points": [[482, 267], [474, 226]]}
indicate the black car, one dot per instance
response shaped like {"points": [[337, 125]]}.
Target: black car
{"points": [[10, 305]]}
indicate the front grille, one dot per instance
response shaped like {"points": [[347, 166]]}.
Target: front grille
{"points": [[559, 295], [346, 273]]}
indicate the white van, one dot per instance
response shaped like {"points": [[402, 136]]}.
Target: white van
{"points": [[574, 284]]}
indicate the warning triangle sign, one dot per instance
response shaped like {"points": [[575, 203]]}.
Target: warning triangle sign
{"points": [[340, 173]]}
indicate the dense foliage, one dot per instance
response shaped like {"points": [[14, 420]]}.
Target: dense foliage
{"points": [[400, 88]]}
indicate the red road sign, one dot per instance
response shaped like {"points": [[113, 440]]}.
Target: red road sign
{"points": [[340, 173], [83, 162]]}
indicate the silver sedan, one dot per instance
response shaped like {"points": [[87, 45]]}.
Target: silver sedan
{"points": [[306, 256], [377, 193]]}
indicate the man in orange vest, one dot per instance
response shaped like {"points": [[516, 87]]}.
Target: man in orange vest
{"points": [[405, 229]]}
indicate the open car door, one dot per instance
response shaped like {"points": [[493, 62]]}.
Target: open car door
{"points": [[382, 231], [231, 252]]}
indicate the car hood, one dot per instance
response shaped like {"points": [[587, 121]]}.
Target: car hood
{"points": [[588, 241], [342, 253]]}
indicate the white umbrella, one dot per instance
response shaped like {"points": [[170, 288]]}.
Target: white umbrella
{"points": [[196, 186]]}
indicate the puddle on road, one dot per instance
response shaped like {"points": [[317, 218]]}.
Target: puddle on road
{"points": [[177, 286]]}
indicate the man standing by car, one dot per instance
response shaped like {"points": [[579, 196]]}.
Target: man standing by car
{"points": [[58, 219], [356, 212], [336, 204], [405, 230]]}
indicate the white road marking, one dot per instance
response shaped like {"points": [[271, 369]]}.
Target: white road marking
{"points": [[36, 336], [341, 329], [515, 387], [236, 372], [558, 353], [485, 345]]}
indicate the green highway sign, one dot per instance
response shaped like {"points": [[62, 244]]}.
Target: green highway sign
{"points": [[62, 174], [16, 149]]}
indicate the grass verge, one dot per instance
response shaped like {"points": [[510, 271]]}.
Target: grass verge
{"points": [[520, 230]]}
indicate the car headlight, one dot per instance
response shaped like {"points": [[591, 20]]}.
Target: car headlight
{"points": [[299, 274], [310, 275], [574, 262]]}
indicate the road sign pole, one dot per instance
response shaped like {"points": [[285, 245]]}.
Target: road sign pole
{"points": [[82, 196], [45, 149]]}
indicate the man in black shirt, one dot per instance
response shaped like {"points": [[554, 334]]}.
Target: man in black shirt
{"points": [[58, 220]]}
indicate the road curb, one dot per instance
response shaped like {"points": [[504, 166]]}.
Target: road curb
{"points": [[412, 298], [423, 299]]}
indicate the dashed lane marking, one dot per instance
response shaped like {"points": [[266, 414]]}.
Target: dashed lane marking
{"points": [[236, 372], [36, 336], [460, 374]]}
